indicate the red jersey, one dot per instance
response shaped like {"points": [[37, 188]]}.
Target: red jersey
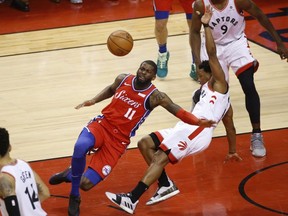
{"points": [[127, 110]]}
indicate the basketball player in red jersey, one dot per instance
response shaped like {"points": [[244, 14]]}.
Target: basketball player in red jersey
{"points": [[161, 14], [133, 98], [183, 140], [228, 26]]}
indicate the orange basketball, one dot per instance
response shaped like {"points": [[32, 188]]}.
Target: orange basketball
{"points": [[120, 43]]}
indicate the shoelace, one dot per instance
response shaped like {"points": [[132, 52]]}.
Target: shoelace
{"points": [[257, 143]]}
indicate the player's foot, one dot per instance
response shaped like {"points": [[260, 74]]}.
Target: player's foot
{"points": [[193, 73], [20, 5], [74, 205], [257, 145], [61, 177], [123, 200], [162, 64], [164, 193], [76, 1]]}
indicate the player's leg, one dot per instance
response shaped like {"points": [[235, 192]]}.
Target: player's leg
{"points": [[161, 13], [148, 146], [129, 201], [252, 102], [244, 66], [188, 9], [83, 144]]}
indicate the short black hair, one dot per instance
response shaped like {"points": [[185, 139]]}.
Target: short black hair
{"points": [[205, 66], [4, 141], [152, 63]]}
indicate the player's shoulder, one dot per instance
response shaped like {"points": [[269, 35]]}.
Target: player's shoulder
{"points": [[5, 179], [122, 76], [198, 5]]}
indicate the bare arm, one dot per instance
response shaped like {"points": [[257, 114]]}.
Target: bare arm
{"points": [[195, 38], [43, 190], [107, 92], [8, 193], [218, 77], [250, 7], [160, 98], [7, 185]]}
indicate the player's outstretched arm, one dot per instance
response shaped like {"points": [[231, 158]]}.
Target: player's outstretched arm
{"points": [[160, 98], [216, 69], [250, 7], [107, 92]]}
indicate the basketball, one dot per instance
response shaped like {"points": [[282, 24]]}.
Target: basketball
{"points": [[120, 43]]}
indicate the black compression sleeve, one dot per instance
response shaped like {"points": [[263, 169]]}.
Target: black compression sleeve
{"points": [[12, 206]]}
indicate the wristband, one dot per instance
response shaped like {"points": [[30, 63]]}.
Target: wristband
{"points": [[205, 25], [12, 205]]}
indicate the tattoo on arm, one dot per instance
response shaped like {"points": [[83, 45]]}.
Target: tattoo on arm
{"points": [[39, 187], [159, 97], [6, 187]]}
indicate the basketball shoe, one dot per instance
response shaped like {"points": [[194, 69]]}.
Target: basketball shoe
{"points": [[257, 145], [123, 200], [60, 177], [162, 64], [76, 1], [164, 193], [74, 205], [193, 73]]}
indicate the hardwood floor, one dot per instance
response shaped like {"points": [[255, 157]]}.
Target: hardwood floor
{"points": [[44, 74]]}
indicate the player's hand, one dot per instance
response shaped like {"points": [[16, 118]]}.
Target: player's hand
{"points": [[207, 15], [283, 52], [206, 123], [85, 103], [232, 157]]}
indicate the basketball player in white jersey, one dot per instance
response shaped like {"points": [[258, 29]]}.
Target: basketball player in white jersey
{"points": [[21, 189], [228, 26], [183, 140]]}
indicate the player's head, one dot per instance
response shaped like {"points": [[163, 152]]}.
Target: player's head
{"points": [[146, 72], [204, 72], [4, 142]]}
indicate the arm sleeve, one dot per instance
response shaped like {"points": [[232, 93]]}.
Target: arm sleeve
{"points": [[187, 117]]}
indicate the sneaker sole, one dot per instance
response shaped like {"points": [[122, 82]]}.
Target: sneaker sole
{"points": [[163, 198], [122, 207]]}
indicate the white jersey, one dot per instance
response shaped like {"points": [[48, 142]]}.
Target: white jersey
{"points": [[26, 190], [185, 139], [227, 24], [212, 104]]}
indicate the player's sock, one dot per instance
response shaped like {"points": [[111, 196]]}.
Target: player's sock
{"points": [[163, 179], [163, 48], [256, 130], [78, 166], [138, 191]]}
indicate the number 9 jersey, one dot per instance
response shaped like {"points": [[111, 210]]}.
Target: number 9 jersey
{"points": [[227, 24]]}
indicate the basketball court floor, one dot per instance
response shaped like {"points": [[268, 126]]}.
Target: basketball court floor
{"points": [[55, 56]]}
